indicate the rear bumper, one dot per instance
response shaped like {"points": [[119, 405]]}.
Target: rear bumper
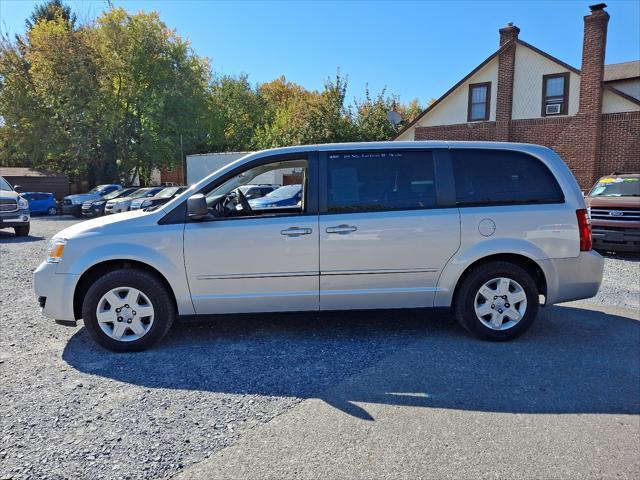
{"points": [[55, 291], [619, 239], [571, 279], [17, 218]]}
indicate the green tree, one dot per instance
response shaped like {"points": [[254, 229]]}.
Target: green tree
{"points": [[53, 10], [153, 89]]}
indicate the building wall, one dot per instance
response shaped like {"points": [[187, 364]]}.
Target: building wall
{"points": [[527, 85], [630, 86], [619, 146], [453, 109], [614, 103]]}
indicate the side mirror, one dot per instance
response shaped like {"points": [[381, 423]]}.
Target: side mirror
{"points": [[17, 188], [197, 207]]}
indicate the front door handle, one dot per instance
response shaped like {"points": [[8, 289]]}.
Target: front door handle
{"points": [[296, 231], [341, 229]]}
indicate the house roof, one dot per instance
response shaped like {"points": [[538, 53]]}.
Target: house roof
{"points": [[622, 71], [26, 172], [535, 49]]}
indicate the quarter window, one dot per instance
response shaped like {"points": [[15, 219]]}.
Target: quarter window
{"points": [[479, 102], [377, 181], [555, 94], [495, 177]]}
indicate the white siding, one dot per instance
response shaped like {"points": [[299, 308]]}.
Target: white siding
{"points": [[527, 83], [453, 109], [630, 86], [614, 103]]}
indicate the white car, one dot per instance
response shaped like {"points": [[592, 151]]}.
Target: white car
{"points": [[122, 204], [488, 229]]}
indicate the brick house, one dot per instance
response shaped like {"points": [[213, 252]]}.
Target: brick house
{"points": [[591, 116]]}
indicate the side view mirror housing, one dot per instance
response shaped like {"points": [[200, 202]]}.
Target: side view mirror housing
{"points": [[197, 207], [17, 188]]}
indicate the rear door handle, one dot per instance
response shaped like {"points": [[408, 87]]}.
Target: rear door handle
{"points": [[296, 231], [341, 229]]}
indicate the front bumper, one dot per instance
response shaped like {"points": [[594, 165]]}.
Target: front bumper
{"points": [[616, 239], [71, 209], [575, 278], [92, 211], [16, 218], [55, 291]]}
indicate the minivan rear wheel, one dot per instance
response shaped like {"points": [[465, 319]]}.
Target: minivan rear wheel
{"points": [[497, 301], [128, 310]]}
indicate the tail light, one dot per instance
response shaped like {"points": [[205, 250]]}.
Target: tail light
{"points": [[584, 226]]}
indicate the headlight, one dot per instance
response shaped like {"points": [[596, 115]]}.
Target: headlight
{"points": [[23, 203], [56, 247]]}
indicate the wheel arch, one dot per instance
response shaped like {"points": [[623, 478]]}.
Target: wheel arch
{"points": [[96, 271], [526, 263]]}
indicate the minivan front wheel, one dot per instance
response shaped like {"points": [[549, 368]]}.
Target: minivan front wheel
{"points": [[497, 301], [128, 310]]}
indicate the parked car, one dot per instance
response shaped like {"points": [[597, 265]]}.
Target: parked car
{"points": [[161, 198], [41, 202], [287, 196], [257, 191], [72, 204], [488, 229], [95, 208], [614, 207], [14, 209], [122, 204]]}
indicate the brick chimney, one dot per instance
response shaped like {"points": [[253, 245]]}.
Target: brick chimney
{"points": [[593, 47], [506, 68], [588, 120]]}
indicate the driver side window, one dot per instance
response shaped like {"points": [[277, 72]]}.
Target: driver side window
{"points": [[243, 195]]}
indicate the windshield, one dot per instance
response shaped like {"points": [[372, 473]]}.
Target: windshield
{"points": [[4, 185], [139, 193], [97, 188], [113, 194], [617, 187], [168, 192], [284, 192]]}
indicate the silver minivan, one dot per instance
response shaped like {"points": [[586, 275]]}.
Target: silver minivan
{"points": [[491, 230]]}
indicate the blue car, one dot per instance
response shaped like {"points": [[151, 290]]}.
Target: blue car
{"points": [[287, 196], [41, 202]]}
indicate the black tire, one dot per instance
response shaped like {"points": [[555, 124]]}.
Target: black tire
{"points": [[52, 211], [77, 214], [160, 298], [23, 230], [465, 297]]}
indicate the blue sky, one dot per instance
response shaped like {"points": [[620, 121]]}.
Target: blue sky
{"points": [[416, 49]]}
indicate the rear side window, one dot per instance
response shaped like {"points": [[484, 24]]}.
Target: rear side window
{"points": [[494, 177], [376, 181]]}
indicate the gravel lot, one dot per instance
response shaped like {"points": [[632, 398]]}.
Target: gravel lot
{"points": [[72, 410]]}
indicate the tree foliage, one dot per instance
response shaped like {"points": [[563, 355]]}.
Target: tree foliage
{"points": [[116, 98]]}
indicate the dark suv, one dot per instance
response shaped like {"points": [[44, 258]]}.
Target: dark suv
{"points": [[614, 206]]}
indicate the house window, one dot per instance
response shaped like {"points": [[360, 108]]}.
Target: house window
{"points": [[555, 94], [479, 101]]}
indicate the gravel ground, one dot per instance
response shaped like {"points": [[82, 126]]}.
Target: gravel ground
{"points": [[72, 410]]}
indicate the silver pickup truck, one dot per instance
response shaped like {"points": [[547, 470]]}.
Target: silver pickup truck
{"points": [[14, 210]]}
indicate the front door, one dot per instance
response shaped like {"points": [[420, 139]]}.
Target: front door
{"points": [[385, 233], [261, 260]]}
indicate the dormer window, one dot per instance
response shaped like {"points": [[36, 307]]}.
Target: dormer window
{"points": [[479, 102], [555, 94]]}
